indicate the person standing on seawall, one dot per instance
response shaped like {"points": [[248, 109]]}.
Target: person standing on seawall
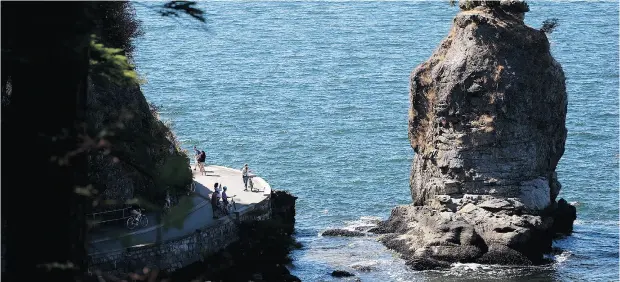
{"points": [[214, 200], [202, 157], [245, 173], [196, 156], [218, 189]]}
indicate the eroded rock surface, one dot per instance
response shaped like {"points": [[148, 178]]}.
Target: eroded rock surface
{"points": [[479, 228], [488, 112], [487, 124]]}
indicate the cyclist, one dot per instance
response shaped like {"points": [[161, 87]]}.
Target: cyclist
{"points": [[136, 210]]}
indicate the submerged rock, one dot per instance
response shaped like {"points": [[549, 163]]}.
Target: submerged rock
{"points": [[426, 264], [363, 267], [487, 124], [342, 273], [343, 232]]}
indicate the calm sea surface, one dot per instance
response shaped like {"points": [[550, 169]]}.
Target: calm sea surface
{"points": [[313, 95]]}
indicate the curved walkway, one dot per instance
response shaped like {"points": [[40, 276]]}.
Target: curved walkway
{"points": [[194, 214]]}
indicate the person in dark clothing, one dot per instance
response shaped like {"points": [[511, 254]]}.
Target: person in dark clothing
{"points": [[201, 162], [214, 199]]}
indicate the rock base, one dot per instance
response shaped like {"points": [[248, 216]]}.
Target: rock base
{"points": [[474, 228]]}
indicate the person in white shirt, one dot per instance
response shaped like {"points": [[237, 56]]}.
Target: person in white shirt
{"points": [[218, 190], [196, 156], [245, 173]]}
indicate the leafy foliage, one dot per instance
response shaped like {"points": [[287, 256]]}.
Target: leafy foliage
{"points": [[50, 63], [116, 24], [110, 64], [549, 25], [173, 8]]}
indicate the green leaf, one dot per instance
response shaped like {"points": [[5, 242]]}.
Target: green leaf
{"points": [[110, 64]]}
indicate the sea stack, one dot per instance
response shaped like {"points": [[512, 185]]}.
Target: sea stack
{"points": [[487, 124]]}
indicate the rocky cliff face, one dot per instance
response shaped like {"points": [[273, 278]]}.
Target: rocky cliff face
{"points": [[488, 111], [142, 159], [487, 124], [136, 154]]}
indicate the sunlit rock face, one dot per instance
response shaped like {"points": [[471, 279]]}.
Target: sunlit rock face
{"points": [[488, 110], [487, 124]]}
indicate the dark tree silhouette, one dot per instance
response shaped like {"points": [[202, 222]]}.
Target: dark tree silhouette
{"points": [[46, 52], [549, 25]]}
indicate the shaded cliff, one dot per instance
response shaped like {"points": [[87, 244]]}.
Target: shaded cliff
{"points": [[143, 158], [139, 155], [487, 124]]}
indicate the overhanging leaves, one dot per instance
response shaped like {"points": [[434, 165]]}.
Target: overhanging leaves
{"points": [[111, 64], [174, 8]]}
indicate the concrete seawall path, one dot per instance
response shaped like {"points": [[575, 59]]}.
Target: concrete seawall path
{"points": [[114, 236]]}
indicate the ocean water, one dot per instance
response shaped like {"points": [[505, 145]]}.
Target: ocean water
{"points": [[313, 95]]}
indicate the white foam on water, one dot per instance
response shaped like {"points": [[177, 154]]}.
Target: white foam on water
{"points": [[562, 257], [365, 222], [469, 266]]}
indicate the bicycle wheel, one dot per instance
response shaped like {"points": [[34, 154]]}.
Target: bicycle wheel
{"points": [[144, 221], [131, 223]]}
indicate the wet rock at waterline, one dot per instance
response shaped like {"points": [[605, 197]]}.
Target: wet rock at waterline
{"points": [[482, 229], [343, 233], [342, 273], [487, 124]]}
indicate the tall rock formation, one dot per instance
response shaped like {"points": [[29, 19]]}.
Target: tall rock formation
{"points": [[487, 124]]}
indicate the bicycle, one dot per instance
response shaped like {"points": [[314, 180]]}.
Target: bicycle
{"points": [[251, 184], [137, 218], [227, 209]]}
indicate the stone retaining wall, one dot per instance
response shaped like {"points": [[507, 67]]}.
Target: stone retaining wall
{"points": [[175, 254]]}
